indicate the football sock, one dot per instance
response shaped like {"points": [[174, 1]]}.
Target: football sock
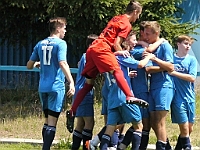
{"points": [[87, 135], [168, 146], [121, 82], [114, 139], [80, 96], [160, 145], [100, 134], [178, 144], [185, 142], [121, 137], [105, 140], [48, 137], [77, 138], [144, 140], [128, 136], [136, 139], [44, 130]]}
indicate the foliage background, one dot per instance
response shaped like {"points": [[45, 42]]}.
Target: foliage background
{"points": [[25, 19]]}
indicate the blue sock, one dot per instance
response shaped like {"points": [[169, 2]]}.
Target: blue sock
{"points": [[87, 135], [185, 143], [76, 138], [144, 140], [178, 144], [128, 136], [100, 134], [168, 146], [160, 145], [114, 139], [48, 137], [44, 130], [136, 139], [105, 140], [121, 137]]}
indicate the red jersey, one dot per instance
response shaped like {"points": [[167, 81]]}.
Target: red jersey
{"points": [[117, 26]]}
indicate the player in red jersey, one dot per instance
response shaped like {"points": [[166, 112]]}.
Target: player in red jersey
{"points": [[100, 58]]}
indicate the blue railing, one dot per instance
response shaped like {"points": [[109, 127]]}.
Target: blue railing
{"points": [[23, 68]]}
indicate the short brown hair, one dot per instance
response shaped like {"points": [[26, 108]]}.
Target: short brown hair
{"points": [[182, 38], [133, 5], [56, 22], [90, 39], [153, 25]]}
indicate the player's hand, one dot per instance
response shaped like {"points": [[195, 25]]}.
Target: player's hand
{"points": [[71, 90], [37, 64], [132, 74], [124, 53]]}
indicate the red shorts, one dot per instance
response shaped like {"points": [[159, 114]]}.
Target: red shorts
{"points": [[99, 59]]}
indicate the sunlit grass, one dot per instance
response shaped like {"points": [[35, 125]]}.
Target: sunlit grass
{"points": [[21, 117]]}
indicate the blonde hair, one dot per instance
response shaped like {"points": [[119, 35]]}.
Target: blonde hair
{"points": [[153, 25]]}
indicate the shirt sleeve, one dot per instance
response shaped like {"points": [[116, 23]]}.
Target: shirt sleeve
{"points": [[35, 55], [193, 67], [62, 51]]}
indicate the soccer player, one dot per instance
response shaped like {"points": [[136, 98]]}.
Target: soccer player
{"points": [[118, 111], [140, 87], [161, 83], [183, 104], [51, 53], [85, 111], [100, 57]]}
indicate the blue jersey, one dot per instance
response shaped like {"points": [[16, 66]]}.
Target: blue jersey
{"points": [[80, 81], [162, 79], [116, 97], [139, 83], [50, 52], [185, 89]]}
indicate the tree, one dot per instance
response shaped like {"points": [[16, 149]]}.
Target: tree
{"points": [[25, 19]]}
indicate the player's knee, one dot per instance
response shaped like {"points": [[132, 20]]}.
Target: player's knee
{"points": [[53, 113]]}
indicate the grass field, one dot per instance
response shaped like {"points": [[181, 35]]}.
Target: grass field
{"points": [[23, 119]]}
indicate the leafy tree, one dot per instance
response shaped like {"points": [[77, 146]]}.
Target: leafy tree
{"points": [[27, 19]]}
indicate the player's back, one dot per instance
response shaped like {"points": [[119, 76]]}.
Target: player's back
{"points": [[114, 28], [139, 83], [51, 51]]}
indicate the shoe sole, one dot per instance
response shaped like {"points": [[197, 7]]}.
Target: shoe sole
{"points": [[138, 102]]}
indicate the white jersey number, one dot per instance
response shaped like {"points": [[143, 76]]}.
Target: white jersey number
{"points": [[47, 58]]}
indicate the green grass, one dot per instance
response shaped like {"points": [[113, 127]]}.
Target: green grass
{"points": [[21, 117]]}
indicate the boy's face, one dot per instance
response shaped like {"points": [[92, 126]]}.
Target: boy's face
{"points": [[184, 45], [62, 31], [150, 36], [132, 41]]}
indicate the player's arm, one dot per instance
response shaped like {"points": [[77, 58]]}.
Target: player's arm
{"points": [[146, 59], [65, 68], [163, 66], [154, 69], [117, 43], [143, 43], [30, 64], [152, 47], [183, 76]]}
